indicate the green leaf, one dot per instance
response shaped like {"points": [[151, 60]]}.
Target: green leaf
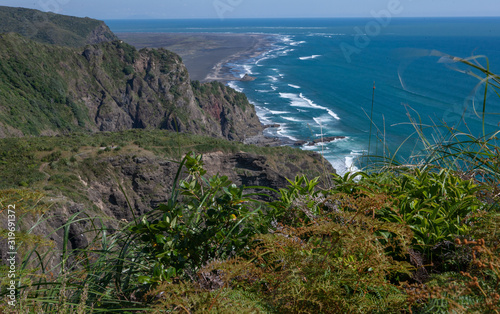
{"points": [[144, 279]]}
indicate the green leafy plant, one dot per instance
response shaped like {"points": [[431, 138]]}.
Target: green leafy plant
{"points": [[299, 202], [437, 206], [205, 219]]}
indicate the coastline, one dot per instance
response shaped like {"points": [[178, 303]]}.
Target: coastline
{"points": [[208, 57], [205, 55], [221, 71]]}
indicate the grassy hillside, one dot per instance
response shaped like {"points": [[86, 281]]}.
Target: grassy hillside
{"points": [[53, 28], [34, 94], [408, 240]]}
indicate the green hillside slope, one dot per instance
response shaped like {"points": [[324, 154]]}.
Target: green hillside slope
{"points": [[54, 28]]}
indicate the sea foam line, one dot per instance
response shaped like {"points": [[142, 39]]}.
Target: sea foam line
{"points": [[312, 104], [282, 132], [304, 102], [248, 69], [309, 57], [292, 119], [235, 87]]}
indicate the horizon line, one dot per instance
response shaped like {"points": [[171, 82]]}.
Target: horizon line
{"points": [[285, 18]]}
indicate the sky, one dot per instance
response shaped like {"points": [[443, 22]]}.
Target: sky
{"points": [[158, 9]]}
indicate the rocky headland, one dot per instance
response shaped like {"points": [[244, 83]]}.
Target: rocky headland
{"points": [[88, 123]]}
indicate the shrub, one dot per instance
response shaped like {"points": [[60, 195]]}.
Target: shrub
{"points": [[127, 70], [213, 221], [437, 206]]}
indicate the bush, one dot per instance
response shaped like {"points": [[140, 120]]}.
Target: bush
{"points": [[214, 221], [128, 70]]}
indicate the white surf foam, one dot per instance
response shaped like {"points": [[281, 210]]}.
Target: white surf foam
{"points": [[286, 52], [304, 102], [247, 69], [282, 131], [327, 35], [321, 121], [313, 105], [235, 87], [309, 57], [262, 59], [292, 119], [349, 162], [262, 113], [294, 86]]}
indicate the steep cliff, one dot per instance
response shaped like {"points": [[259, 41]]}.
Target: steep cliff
{"points": [[47, 89]]}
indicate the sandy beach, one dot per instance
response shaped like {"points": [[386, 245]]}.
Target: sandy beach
{"points": [[204, 54]]}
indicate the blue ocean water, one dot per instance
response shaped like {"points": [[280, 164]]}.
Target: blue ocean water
{"points": [[317, 79]]}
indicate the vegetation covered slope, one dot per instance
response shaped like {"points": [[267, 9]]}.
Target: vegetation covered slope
{"points": [[210, 248], [47, 89], [118, 175], [54, 28]]}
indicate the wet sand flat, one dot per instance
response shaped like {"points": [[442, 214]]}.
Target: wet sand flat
{"points": [[204, 54]]}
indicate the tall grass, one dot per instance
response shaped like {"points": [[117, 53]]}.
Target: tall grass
{"points": [[456, 164], [61, 280], [456, 148]]}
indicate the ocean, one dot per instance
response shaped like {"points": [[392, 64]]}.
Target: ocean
{"points": [[318, 79]]}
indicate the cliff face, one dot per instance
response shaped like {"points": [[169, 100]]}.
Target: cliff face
{"points": [[46, 89], [229, 109], [147, 182], [100, 175]]}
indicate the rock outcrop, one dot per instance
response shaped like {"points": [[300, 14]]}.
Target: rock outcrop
{"points": [[108, 185], [248, 78]]}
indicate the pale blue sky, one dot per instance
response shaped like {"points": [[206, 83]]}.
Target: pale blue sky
{"points": [[116, 9]]}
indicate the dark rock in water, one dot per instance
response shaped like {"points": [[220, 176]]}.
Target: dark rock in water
{"points": [[247, 78], [299, 143], [275, 125], [325, 140]]}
